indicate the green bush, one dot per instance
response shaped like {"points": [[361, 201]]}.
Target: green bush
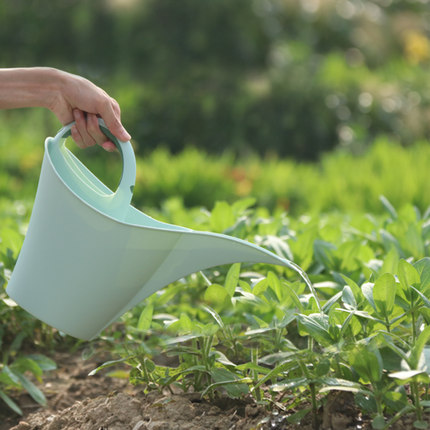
{"points": [[339, 181], [293, 78]]}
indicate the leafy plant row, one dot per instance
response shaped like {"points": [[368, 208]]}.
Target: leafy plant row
{"points": [[339, 181], [360, 325]]}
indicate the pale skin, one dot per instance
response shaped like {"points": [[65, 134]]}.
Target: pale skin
{"points": [[69, 97]]}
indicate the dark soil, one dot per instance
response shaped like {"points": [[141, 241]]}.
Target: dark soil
{"points": [[77, 401]]}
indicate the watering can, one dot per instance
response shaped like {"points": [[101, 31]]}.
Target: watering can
{"points": [[89, 255]]}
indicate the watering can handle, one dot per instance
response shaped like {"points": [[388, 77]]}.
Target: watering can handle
{"points": [[124, 192]]}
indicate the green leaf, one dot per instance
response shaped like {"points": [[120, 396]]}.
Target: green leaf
{"points": [[17, 342], [215, 316], [185, 325], [407, 274], [317, 326], [276, 372], [298, 416], [11, 375], [34, 392], [323, 367], [378, 422], [221, 358], [217, 295], [348, 297], [367, 290], [303, 248], [406, 374], [396, 400], [145, 318], [108, 364], [26, 364], [260, 287], [423, 297], [279, 246], [423, 268], [388, 206], [289, 384], [118, 373], [350, 254], [338, 384], [412, 241], [181, 339], [245, 286], [222, 217], [240, 206], [325, 253], [391, 261], [356, 290], [254, 367], [331, 301], [418, 348], [366, 360], [384, 293], [293, 296], [275, 284], [421, 424], [12, 405], [43, 362], [232, 279], [234, 386]]}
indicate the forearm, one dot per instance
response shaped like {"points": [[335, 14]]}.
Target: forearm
{"points": [[69, 97], [29, 87]]}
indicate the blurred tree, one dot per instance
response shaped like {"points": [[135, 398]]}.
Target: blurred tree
{"points": [[291, 77]]}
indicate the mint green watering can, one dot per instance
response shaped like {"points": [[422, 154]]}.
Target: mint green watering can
{"points": [[89, 256]]}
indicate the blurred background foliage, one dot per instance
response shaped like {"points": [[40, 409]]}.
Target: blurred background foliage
{"points": [[287, 77]]}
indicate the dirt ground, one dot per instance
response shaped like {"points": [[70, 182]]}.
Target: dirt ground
{"points": [[77, 401]]}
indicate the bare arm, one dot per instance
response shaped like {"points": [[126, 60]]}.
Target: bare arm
{"points": [[69, 97]]}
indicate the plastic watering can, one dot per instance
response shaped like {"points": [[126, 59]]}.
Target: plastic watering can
{"points": [[89, 256]]}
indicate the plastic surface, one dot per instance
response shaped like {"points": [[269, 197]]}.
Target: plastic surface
{"points": [[84, 184], [89, 256]]}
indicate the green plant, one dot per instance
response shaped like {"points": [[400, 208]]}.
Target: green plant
{"points": [[357, 322]]}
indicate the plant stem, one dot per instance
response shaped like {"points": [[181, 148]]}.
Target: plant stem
{"points": [[315, 425], [414, 331], [387, 324], [416, 397], [254, 359]]}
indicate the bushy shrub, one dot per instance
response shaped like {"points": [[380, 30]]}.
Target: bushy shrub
{"points": [[296, 78]]}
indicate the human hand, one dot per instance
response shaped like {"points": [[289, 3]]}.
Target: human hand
{"points": [[79, 100], [69, 97]]}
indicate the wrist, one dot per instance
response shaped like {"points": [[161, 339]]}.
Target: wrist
{"points": [[51, 83]]}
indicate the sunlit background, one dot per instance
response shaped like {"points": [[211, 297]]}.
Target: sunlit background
{"points": [[279, 79]]}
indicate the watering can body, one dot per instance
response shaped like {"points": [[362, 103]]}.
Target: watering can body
{"points": [[89, 255]]}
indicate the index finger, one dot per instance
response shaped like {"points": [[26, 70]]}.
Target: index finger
{"points": [[110, 113]]}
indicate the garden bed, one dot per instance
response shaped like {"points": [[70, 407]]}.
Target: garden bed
{"points": [[78, 401]]}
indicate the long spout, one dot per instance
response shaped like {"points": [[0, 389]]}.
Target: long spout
{"points": [[195, 251]]}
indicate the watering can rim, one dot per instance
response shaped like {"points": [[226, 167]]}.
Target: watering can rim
{"points": [[128, 177]]}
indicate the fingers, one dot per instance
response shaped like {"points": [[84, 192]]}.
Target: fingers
{"points": [[110, 112], [86, 131]]}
